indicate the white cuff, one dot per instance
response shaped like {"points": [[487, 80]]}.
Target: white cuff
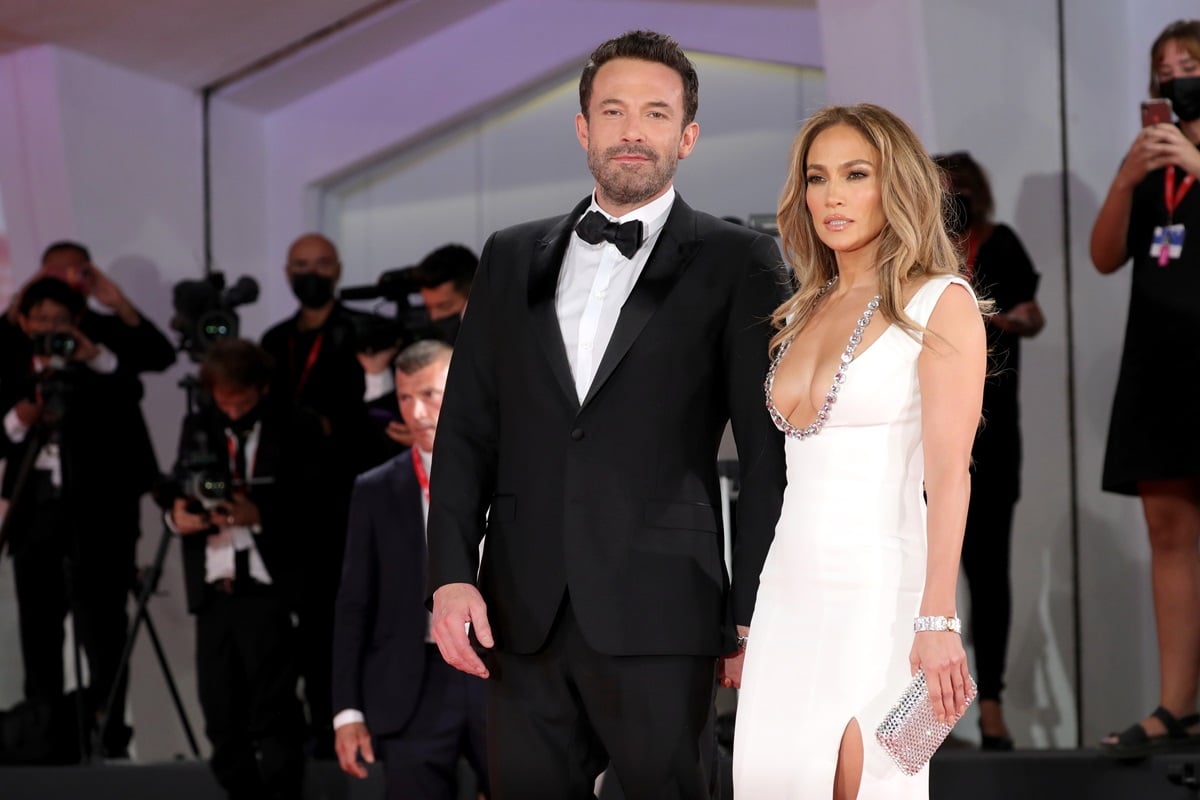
{"points": [[14, 428], [104, 362], [347, 717], [378, 385]]}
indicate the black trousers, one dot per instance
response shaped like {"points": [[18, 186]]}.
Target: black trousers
{"points": [[246, 674], [420, 763], [556, 718], [314, 640], [987, 544], [59, 570]]}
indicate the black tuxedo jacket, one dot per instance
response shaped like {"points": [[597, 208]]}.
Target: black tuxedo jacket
{"points": [[287, 484], [616, 500], [380, 617]]}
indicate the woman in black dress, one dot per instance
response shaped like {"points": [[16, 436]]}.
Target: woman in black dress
{"points": [[999, 268], [1155, 428]]}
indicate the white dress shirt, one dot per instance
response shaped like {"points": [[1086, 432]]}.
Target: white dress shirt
{"points": [[220, 547], [594, 284]]}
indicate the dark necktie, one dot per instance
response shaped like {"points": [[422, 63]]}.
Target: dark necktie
{"points": [[595, 228]]}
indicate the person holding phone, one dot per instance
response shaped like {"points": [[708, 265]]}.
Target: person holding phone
{"points": [[1149, 215]]}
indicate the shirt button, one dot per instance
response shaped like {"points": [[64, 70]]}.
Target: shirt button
{"points": [[601, 294], [585, 346], [577, 434]]}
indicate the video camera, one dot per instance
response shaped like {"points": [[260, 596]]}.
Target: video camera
{"points": [[55, 344], [410, 321], [204, 310]]}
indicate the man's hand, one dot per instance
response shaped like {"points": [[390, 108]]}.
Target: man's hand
{"points": [[454, 605], [349, 741], [29, 411], [185, 521], [377, 362], [109, 295], [239, 511], [730, 672], [85, 348], [399, 433]]}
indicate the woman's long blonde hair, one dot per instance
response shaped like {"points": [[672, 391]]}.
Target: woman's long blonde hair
{"points": [[913, 242]]}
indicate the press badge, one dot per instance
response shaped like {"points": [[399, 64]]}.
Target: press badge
{"points": [[1167, 243]]}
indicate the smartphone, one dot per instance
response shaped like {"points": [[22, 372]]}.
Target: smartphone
{"points": [[1155, 110]]}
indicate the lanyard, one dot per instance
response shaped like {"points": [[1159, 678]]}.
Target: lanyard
{"points": [[231, 440], [422, 475], [310, 361], [1174, 196]]}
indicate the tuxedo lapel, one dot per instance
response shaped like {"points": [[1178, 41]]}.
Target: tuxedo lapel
{"points": [[547, 263], [676, 246]]}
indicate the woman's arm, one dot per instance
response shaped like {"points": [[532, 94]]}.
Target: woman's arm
{"points": [[951, 370]]}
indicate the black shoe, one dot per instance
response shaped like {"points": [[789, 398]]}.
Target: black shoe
{"points": [[1135, 742], [995, 744]]}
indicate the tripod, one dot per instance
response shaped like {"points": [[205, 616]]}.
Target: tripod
{"points": [[41, 434], [146, 586]]}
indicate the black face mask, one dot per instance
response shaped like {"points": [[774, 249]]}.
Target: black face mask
{"points": [[446, 329], [1184, 94], [958, 215], [312, 290]]}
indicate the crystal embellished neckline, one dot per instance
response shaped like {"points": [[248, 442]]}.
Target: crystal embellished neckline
{"points": [[813, 428]]}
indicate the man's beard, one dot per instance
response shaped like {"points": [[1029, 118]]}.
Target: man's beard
{"points": [[631, 186]]}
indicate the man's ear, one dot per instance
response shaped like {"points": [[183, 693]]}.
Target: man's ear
{"points": [[581, 130], [687, 142]]}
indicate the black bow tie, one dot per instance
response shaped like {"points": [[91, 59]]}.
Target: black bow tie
{"points": [[595, 228]]}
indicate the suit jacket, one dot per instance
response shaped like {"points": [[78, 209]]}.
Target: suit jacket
{"points": [[615, 500], [286, 486], [380, 617]]}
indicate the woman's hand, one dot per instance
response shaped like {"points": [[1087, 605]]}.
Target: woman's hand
{"points": [[1155, 147], [940, 654]]}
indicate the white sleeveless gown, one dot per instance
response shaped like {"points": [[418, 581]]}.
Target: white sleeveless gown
{"points": [[832, 627]]}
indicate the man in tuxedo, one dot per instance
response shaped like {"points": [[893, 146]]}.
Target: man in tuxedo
{"points": [[601, 355], [79, 459], [390, 682], [241, 552]]}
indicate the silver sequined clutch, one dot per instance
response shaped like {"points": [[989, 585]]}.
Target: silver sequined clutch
{"points": [[910, 733]]}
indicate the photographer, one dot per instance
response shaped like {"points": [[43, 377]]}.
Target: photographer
{"points": [[245, 467], [443, 279], [78, 460]]}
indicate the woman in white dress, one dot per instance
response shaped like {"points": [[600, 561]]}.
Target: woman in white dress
{"points": [[877, 381]]}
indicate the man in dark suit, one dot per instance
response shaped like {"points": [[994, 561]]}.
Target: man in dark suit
{"points": [[390, 682], [241, 550], [601, 355]]}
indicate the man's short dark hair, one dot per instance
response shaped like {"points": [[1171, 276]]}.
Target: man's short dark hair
{"points": [[236, 363], [54, 290], [646, 46], [454, 262], [67, 246], [419, 355]]}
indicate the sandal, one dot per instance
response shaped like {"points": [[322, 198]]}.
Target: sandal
{"points": [[1135, 742]]}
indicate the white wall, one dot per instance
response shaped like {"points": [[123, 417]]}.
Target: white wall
{"points": [[96, 153]]}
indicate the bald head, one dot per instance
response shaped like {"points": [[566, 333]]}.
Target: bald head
{"points": [[313, 269]]}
